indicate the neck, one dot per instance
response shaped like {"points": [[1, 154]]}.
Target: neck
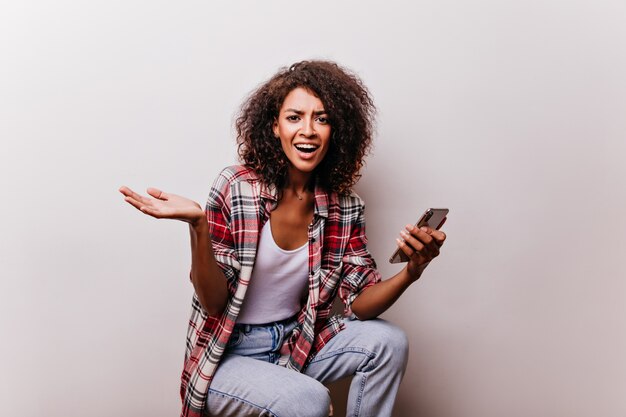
{"points": [[298, 183]]}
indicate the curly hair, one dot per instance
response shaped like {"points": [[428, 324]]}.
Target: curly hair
{"points": [[351, 114]]}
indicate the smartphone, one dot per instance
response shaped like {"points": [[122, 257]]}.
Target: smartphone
{"points": [[433, 218]]}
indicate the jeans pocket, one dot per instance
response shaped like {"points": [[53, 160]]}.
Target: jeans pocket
{"points": [[236, 338]]}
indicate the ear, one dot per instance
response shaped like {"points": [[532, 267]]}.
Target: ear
{"points": [[275, 128]]}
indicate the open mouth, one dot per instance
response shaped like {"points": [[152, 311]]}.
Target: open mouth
{"points": [[306, 147]]}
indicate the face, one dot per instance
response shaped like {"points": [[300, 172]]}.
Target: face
{"points": [[303, 128]]}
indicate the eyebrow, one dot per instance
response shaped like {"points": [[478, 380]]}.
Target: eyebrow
{"points": [[299, 112]]}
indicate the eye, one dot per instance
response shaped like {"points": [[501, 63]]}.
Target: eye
{"points": [[323, 120], [293, 118]]}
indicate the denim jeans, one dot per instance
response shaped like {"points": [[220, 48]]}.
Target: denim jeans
{"points": [[249, 383]]}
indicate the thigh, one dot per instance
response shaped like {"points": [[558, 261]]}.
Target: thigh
{"points": [[358, 347], [244, 386]]}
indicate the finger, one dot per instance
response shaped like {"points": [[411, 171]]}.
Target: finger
{"points": [[432, 245], [130, 193], [439, 237], [147, 209], [137, 204], [409, 251], [158, 194], [152, 211], [422, 235], [126, 191], [417, 246]]}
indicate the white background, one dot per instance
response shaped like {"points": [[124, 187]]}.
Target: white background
{"points": [[510, 113]]}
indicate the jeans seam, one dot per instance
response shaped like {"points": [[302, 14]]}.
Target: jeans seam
{"points": [[357, 408], [273, 333], [242, 400], [328, 355]]}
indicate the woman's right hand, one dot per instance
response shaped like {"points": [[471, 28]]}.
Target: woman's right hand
{"points": [[164, 205]]}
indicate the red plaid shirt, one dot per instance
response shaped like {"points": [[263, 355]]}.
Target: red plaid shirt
{"points": [[238, 206]]}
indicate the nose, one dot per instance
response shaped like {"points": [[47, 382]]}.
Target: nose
{"points": [[308, 128]]}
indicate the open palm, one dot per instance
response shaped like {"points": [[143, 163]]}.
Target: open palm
{"points": [[164, 205]]}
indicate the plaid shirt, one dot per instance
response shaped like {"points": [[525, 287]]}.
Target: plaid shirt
{"points": [[238, 206]]}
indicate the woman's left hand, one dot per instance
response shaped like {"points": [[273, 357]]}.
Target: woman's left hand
{"points": [[420, 245]]}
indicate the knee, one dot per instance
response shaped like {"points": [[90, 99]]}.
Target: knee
{"points": [[309, 399], [318, 401], [401, 345], [394, 345]]}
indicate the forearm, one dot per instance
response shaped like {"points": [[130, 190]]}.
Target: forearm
{"points": [[376, 299], [208, 279]]}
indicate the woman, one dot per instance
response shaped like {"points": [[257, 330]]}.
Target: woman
{"points": [[281, 236]]}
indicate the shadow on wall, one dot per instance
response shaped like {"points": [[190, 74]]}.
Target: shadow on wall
{"points": [[339, 395], [406, 409]]}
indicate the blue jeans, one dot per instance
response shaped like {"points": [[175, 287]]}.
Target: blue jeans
{"points": [[249, 383]]}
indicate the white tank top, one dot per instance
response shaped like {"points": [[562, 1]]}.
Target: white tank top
{"points": [[279, 280]]}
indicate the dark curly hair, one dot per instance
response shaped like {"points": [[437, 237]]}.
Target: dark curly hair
{"points": [[351, 115]]}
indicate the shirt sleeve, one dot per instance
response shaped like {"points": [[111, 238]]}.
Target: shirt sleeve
{"points": [[359, 268], [218, 209]]}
